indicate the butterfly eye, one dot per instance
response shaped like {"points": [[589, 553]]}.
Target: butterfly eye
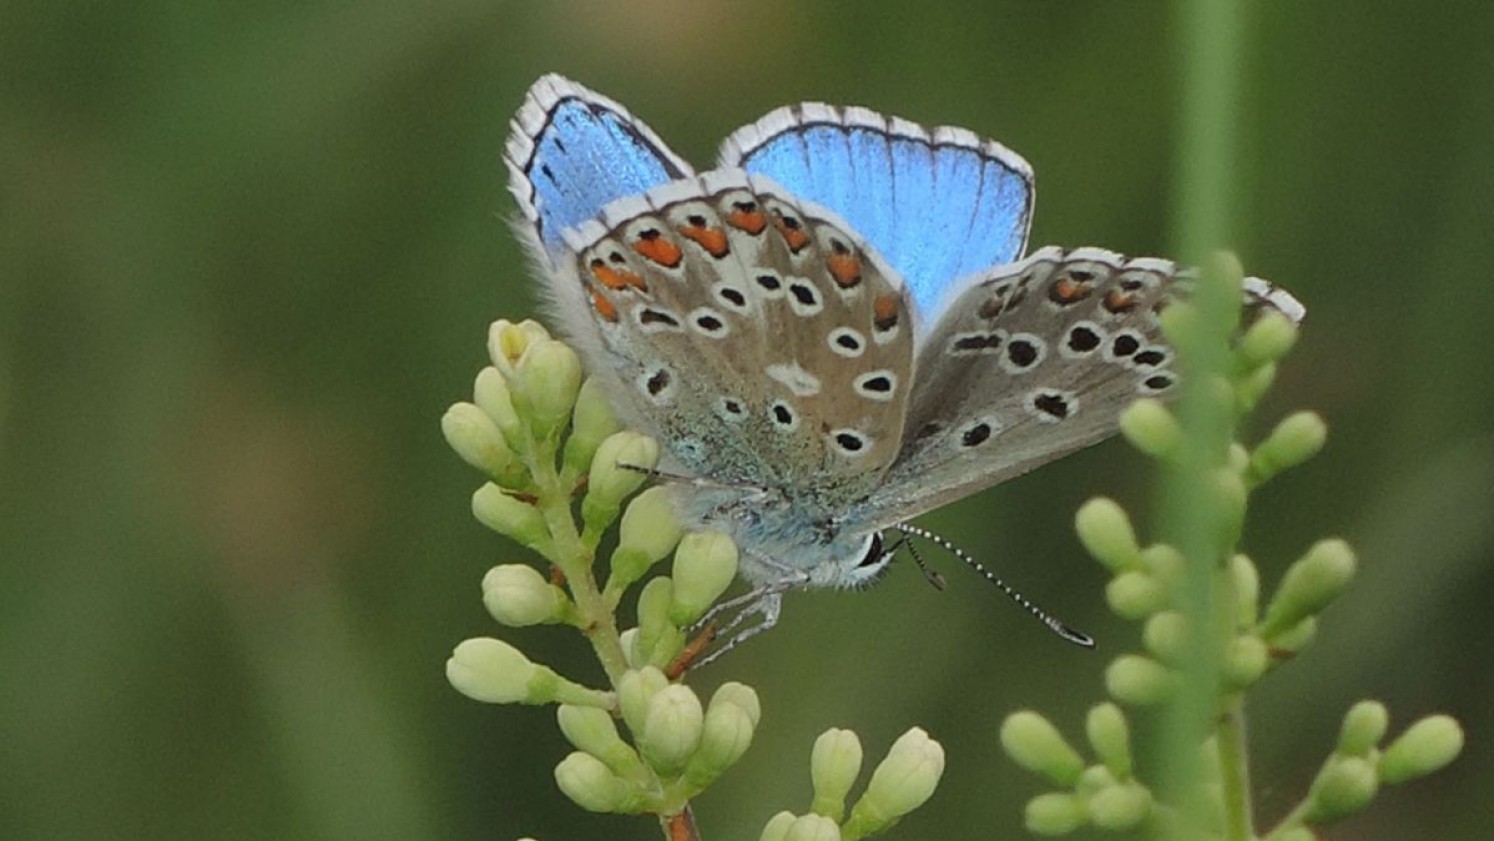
{"points": [[873, 554]]}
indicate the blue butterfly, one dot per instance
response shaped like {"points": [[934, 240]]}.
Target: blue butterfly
{"points": [[834, 330]]}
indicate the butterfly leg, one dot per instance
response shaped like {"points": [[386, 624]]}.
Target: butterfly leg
{"points": [[766, 605], [764, 602]]}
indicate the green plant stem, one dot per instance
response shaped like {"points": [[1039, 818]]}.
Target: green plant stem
{"points": [[575, 559], [596, 620], [1194, 516], [1234, 771]]}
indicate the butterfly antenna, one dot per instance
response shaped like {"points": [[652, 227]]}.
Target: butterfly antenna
{"points": [[1057, 627], [930, 575]]}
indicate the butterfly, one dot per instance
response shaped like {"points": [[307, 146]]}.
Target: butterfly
{"points": [[835, 330]]}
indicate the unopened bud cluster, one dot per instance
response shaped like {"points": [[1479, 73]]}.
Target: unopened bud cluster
{"points": [[705, 564], [1103, 793], [681, 746], [1145, 580], [1358, 766], [902, 782], [535, 429], [1245, 634], [543, 436], [1144, 587]]}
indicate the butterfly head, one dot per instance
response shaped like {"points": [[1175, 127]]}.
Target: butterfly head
{"points": [[862, 570]]}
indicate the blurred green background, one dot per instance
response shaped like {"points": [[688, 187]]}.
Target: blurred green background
{"points": [[248, 254]]}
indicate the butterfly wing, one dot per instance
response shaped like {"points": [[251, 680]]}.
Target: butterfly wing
{"points": [[938, 204], [572, 150], [754, 335], [1034, 361]]}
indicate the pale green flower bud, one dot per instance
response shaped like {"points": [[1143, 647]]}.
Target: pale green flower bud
{"points": [[1120, 807], [1139, 681], [725, 737], [592, 786], [1426, 746], [667, 647], [1106, 533], [1165, 635], [635, 689], [1231, 497], [812, 828], [671, 729], [1252, 386], [705, 564], [1364, 726], [1267, 340], [1035, 744], [658, 640], [616, 471], [1237, 458], [591, 422], [474, 437], [649, 531], [593, 731], [1225, 269], [834, 765], [511, 517], [507, 342], [1093, 780], [517, 595], [1164, 561], [1245, 660], [1296, 833], [1055, 813], [1246, 582], [1310, 584], [777, 827], [1344, 786], [742, 696], [629, 640], [545, 383], [1295, 638], [1110, 736], [1180, 323], [1296, 439], [1135, 595], [491, 394], [1151, 428], [492, 671], [903, 781]]}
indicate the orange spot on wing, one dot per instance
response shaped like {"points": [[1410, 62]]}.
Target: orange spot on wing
{"points": [[792, 231], [617, 278], [884, 312], [604, 307], [1117, 301], [752, 221], [845, 269], [660, 249], [713, 240]]}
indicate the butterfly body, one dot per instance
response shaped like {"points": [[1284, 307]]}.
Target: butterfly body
{"points": [[835, 330]]}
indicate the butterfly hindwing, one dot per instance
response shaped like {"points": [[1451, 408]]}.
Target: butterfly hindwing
{"points": [[754, 335], [938, 204], [1034, 361]]}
